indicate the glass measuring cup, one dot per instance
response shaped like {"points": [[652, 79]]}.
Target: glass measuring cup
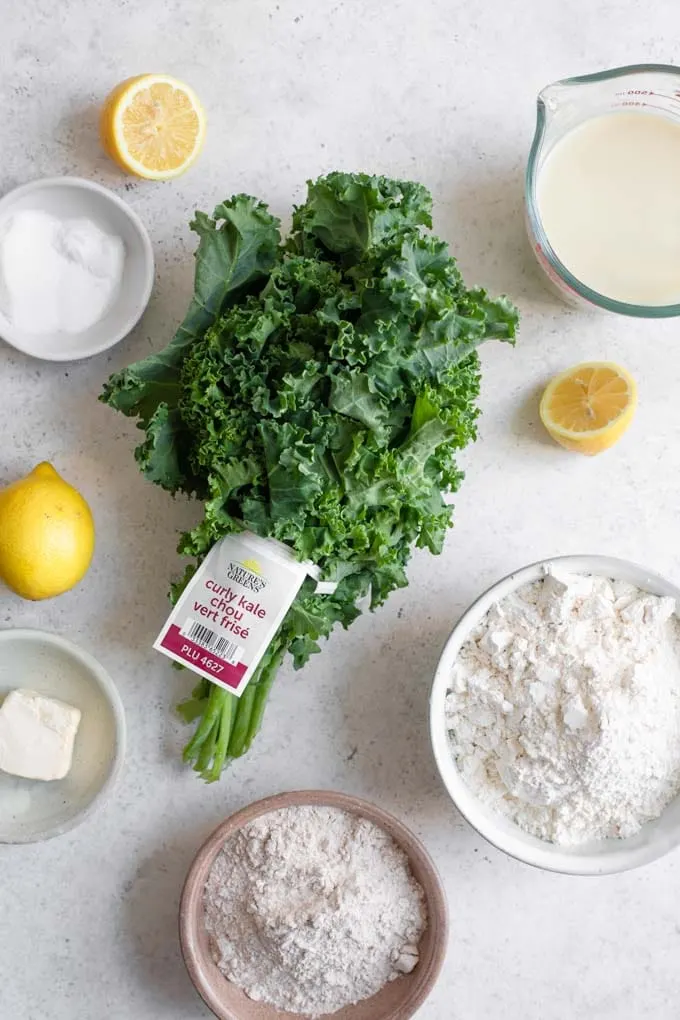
{"points": [[561, 107]]}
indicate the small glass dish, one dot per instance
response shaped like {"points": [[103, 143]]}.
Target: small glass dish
{"points": [[31, 810]]}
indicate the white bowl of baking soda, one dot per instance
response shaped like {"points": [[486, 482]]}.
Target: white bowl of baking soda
{"points": [[555, 715], [76, 268]]}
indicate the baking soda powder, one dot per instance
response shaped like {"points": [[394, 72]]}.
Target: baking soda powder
{"points": [[57, 275]]}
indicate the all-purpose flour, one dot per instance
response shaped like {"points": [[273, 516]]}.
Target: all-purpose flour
{"points": [[564, 708], [311, 909]]}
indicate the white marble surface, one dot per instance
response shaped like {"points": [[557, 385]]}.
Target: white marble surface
{"points": [[443, 91]]}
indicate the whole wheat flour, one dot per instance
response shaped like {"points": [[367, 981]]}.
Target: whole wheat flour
{"points": [[311, 909], [564, 708]]}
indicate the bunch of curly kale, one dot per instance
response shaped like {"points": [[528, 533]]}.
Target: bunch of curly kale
{"points": [[316, 392]]}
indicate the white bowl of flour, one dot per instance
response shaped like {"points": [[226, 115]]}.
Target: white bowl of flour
{"points": [[76, 268], [555, 715]]}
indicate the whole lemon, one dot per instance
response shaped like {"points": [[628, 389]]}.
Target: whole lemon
{"points": [[46, 535]]}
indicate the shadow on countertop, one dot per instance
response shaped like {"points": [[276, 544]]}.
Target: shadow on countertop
{"points": [[485, 220], [151, 909], [386, 713]]}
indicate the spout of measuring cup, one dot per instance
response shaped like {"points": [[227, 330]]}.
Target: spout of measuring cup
{"points": [[548, 102], [551, 96], [556, 104]]}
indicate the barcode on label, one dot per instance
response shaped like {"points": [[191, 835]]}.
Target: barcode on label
{"points": [[211, 641]]}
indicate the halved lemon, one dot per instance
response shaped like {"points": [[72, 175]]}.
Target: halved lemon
{"points": [[589, 407], [153, 126]]}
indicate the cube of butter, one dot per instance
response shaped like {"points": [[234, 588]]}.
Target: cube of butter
{"points": [[37, 735]]}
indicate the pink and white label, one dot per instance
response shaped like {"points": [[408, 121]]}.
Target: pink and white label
{"points": [[227, 672], [231, 609]]}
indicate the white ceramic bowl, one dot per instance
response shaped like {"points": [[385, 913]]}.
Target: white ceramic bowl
{"points": [[595, 858], [31, 810], [72, 197]]}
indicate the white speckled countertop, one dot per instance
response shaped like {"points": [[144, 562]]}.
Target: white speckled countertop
{"points": [[443, 91]]}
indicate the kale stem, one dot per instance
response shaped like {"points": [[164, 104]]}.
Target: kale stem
{"points": [[242, 720], [207, 750], [211, 713], [262, 690], [226, 721]]}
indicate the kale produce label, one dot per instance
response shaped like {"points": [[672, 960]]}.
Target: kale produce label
{"points": [[231, 609]]}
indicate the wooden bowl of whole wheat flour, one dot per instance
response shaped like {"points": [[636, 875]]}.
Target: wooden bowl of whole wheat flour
{"points": [[397, 1000]]}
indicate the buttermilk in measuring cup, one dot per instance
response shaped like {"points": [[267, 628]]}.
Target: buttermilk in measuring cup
{"points": [[608, 198]]}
